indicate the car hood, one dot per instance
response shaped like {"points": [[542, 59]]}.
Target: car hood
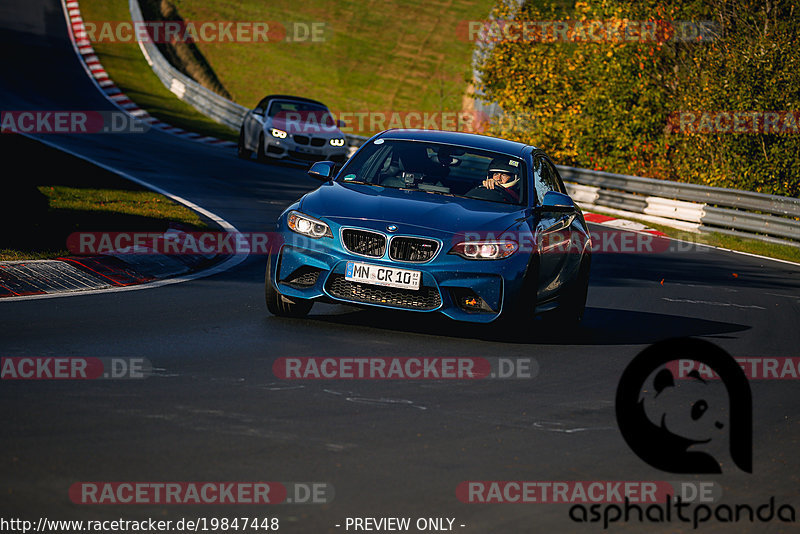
{"points": [[412, 211]]}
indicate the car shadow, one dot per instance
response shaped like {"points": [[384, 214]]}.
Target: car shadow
{"points": [[600, 326]]}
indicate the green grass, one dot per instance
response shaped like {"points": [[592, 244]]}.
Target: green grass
{"points": [[126, 65], [379, 55], [59, 194], [7, 254], [752, 246], [122, 202]]}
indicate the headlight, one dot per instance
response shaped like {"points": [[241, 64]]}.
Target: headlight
{"points": [[337, 142], [485, 250], [308, 226], [280, 134]]}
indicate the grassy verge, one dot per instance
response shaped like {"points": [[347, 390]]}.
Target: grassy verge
{"points": [[57, 194], [383, 56], [387, 55], [752, 246], [126, 65]]}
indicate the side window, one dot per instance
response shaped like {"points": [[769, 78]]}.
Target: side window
{"points": [[558, 185], [262, 106], [275, 108], [544, 178]]}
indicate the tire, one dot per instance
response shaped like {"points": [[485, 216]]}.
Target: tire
{"points": [[241, 150], [573, 301], [518, 320], [280, 305], [261, 154]]}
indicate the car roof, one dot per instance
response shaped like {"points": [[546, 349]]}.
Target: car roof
{"points": [[296, 98], [483, 142]]}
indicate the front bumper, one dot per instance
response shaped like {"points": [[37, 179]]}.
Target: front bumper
{"points": [[289, 149], [464, 290]]}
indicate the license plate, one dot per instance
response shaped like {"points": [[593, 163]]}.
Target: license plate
{"points": [[308, 150], [382, 276]]}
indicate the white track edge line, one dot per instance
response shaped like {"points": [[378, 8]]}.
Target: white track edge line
{"points": [[231, 262]]}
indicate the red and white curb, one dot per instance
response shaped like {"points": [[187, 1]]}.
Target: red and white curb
{"points": [[118, 268], [622, 224], [95, 70]]}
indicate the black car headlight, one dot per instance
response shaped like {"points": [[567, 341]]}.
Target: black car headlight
{"points": [[337, 142], [485, 250], [307, 226]]}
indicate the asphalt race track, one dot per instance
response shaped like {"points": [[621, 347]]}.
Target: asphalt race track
{"points": [[214, 411]]}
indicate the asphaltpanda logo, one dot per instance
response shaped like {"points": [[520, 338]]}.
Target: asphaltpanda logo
{"points": [[686, 424]]}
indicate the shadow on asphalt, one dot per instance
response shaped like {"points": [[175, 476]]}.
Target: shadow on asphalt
{"points": [[600, 326]]}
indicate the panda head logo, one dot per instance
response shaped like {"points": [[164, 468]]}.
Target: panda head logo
{"points": [[683, 425]]}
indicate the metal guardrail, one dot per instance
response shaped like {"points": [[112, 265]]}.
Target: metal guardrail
{"points": [[684, 206], [691, 207], [204, 100]]}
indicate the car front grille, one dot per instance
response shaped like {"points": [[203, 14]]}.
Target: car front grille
{"points": [[364, 243], [315, 141], [301, 139], [426, 298], [413, 249]]}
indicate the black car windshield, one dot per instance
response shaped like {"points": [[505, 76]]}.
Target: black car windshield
{"points": [[439, 169]]}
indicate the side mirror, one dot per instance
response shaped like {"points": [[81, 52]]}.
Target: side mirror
{"points": [[340, 123], [259, 112], [322, 171], [554, 201]]}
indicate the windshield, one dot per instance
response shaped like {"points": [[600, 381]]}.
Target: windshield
{"points": [[439, 169], [301, 117]]}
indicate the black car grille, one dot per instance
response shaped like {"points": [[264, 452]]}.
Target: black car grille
{"points": [[426, 298], [302, 277], [315, 141], [412, 249], [301, 139], [364, 243]]}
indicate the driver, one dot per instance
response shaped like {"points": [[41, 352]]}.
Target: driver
{"points": [[503, 173]]}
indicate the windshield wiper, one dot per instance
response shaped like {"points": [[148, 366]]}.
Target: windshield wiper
{"points": [[362, 183]]}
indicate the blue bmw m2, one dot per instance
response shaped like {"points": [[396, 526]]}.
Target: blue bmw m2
{"points": [[469, 226]]}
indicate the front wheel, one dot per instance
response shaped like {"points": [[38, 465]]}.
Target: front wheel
{"points": [[518, 319], [261, 153], [280, 305], [573, 302], [241, 149]]}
